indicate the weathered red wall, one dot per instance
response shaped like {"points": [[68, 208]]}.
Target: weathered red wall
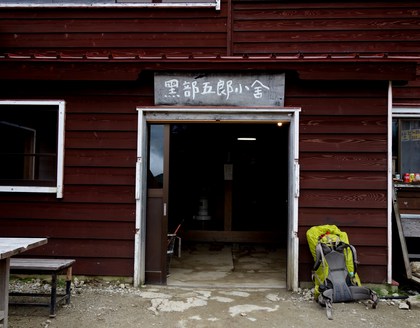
{"points": [[343, 124]]}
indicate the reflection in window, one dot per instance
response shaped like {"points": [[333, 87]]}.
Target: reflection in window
{"points": [[155, 176]]}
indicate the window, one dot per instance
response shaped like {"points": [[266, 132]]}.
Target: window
{"points": [[31, 146], [406, 140]]}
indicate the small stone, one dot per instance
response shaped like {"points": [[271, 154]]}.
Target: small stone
{"points": [[414, 302], [404, 306], [273, 297]]}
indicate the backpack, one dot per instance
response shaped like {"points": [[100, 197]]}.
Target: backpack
{"points": [[335, 270]]}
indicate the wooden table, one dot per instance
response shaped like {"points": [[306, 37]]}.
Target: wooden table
{"points": [[8, 248]]}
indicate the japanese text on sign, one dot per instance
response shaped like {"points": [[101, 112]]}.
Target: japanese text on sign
{"points": [[263, 90], [222, 88]]}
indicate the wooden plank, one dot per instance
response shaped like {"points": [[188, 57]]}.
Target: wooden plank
{"points": [[376, 143], [409, 204], [94, 247], [102, 101], [52, 210], [324, 36], [115, 267], [71, 229], [411, 226], [372, 273], [101, 140], [309, 8], [92, 24], [356, 24], [366, 162], [114, 40], [342, 92], [100, 176], [232, 236], [337, 198], [311, 11], [10, 246], [321, 104], [100, 194], [39, 264], [329, 47], [101, 157], [355, 217], [342, 124], [101, 122], [227, 222], [344, 179]]}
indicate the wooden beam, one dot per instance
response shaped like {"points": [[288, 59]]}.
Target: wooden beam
{"points": [[267, 237]]}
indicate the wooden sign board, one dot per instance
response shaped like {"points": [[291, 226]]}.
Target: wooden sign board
{"points": [[219, 89]]}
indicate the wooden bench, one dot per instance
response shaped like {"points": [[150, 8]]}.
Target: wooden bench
{"points": [[53, 267]]}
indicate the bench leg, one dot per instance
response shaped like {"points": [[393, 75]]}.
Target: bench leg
{"points": [[68, 284], [53, 295], [4, 291]]}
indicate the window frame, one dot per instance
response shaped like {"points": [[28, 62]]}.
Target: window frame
{"points": [[403, 112], [58, 189]]}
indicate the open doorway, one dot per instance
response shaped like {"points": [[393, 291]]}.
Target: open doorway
{"points": [[228, 189], [231, 181]]}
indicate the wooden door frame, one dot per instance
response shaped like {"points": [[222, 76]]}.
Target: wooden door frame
{"points": [[166, 115]]}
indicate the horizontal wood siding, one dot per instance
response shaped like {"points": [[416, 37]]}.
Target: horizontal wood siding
{"points": [[343, 160], [408, 93], [94, 222], [409, 200], [103, 31], [330, 27], [325, 27]]}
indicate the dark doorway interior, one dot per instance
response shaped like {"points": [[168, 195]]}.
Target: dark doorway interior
{"points": [[230, 194], [243, 183]]}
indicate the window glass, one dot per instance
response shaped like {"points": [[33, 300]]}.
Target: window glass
{"points": [[406, 145], [156, 152], [29, 145]]}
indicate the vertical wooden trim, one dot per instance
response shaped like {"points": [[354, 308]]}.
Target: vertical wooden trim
{"points": [[390, 185], [165, 198], [60, 148], [141, 201]]}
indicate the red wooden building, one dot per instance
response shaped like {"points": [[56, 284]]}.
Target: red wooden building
{"points": [[88, 108]]}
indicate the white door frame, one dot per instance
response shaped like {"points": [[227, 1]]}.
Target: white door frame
{"points": [[222, 115]]}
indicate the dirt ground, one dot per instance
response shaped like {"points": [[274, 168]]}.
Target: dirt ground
{"points": [[120, 305]]}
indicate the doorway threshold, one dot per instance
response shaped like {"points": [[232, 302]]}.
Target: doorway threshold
{"points": [[229, 266]]}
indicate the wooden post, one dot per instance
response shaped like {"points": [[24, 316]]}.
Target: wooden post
{"points": [[228, 206]]}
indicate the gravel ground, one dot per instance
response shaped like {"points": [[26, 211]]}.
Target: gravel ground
{"points": [[99, 304]]}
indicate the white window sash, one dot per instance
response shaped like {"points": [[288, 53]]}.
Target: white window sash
{"points": [[58, 189]]}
